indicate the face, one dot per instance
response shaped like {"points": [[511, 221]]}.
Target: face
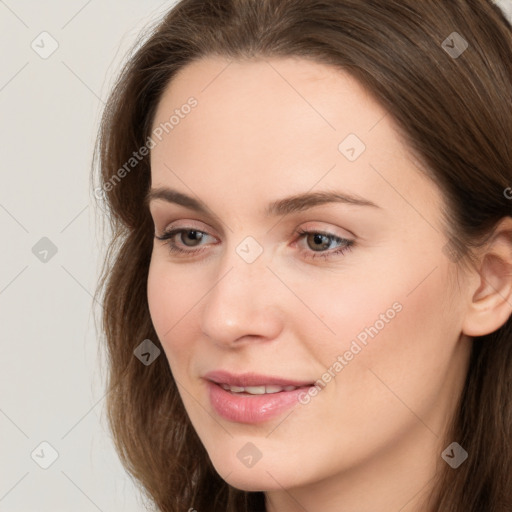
{"points": [[333, 322]]}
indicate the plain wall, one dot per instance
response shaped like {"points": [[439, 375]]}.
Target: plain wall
{"points": [[51, 383]]}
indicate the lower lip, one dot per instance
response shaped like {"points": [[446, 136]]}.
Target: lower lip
{"points": [[243, 408]]}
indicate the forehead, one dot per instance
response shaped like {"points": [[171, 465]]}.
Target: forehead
{"points": [[282, 90], [285, 124]]}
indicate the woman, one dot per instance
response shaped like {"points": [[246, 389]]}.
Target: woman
{"points": [[308, 292]]}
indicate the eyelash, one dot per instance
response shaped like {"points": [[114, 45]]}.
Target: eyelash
{"points": [[174, 249]]}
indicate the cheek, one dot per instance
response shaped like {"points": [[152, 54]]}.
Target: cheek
{"points": [[340, 310], [160, 300], [402, 376], [171, 305], [400, 314], [390, 338]]}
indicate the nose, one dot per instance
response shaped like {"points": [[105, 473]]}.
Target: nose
{"points": [[244, 303]]}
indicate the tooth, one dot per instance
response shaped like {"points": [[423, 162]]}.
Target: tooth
{"points": [[236, 389], [255, 390], [273, 389], [289, 388]]}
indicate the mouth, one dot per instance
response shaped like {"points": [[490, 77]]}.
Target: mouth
{"points": [[251, 398], [253, 380], [267, 389]]}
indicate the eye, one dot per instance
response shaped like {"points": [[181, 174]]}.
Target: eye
{"points": [[194, 236], [319, 241]]}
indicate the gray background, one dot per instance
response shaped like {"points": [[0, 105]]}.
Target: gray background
{"points": [[52, 385], [51, 373]]}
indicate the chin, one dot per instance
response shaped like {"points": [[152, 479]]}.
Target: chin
{"points": [[246, 484], [260, 477]]}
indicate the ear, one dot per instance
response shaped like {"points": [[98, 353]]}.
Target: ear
{"points": [[490, 303]]}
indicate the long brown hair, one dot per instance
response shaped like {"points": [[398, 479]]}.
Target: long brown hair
{"points": [[454, 113]]}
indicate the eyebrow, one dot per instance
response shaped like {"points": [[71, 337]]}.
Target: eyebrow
{"points": [[287, 205]]}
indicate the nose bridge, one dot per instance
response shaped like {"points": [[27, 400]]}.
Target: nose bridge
{"points": [[240, 302], [244, 265]]}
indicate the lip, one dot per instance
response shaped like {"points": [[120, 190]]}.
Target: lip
{"points": [[251, 409], [251, 379]]}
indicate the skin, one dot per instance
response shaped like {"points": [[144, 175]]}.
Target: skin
{"points": [[268, 129]]}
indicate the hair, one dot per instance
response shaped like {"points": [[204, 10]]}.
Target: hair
{"points": [[454, 114]]}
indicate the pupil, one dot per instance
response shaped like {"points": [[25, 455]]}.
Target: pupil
{"points": [[318, 239], [194, 235]]}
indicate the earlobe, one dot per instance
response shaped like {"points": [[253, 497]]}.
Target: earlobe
{"points": [[490, 303]]}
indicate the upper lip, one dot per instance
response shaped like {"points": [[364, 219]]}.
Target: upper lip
{"points": [[251, 379]]}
